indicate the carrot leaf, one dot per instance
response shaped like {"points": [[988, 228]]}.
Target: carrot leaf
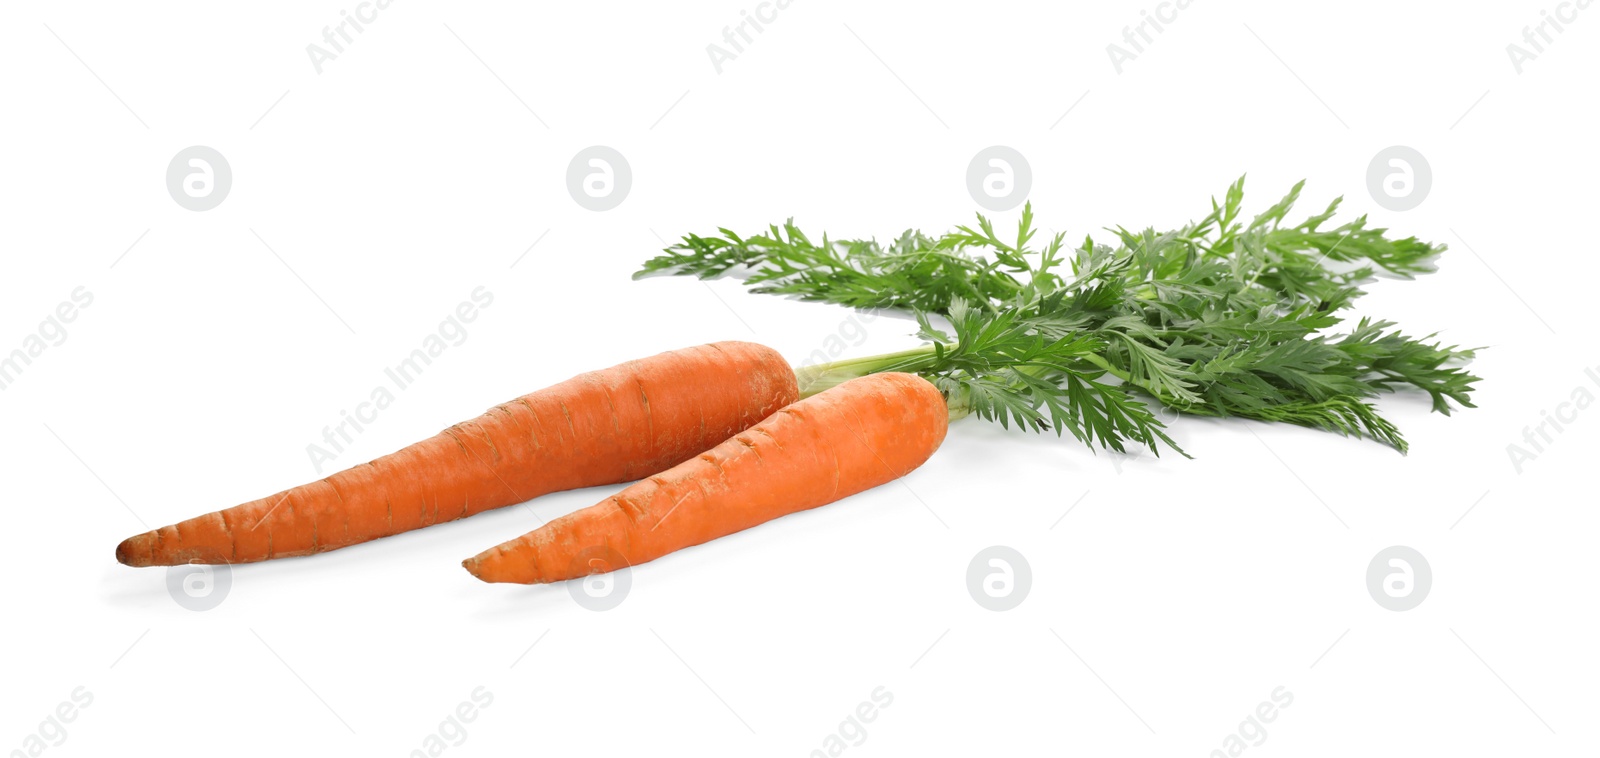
{"points": [[1219, 317]]}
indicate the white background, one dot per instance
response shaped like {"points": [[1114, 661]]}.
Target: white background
{"points": [[1172, 598]]}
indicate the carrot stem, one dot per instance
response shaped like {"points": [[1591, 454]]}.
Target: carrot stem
{"points": [[919, 360], [825, 376]]}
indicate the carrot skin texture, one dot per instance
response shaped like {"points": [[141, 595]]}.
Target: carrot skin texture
{"points": [[603, 427], [851, 438]]}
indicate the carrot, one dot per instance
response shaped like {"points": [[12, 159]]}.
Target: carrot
{"points": [[850, 438], [603, 427]]}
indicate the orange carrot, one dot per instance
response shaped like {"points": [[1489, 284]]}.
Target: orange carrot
{"points": [[850, 438], [603, 427]]}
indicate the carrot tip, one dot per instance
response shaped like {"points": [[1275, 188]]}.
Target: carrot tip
{"points": [[492, 566], [130, 552]]}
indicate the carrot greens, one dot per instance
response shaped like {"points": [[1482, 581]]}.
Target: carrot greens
{"points": [[1226, 316]]}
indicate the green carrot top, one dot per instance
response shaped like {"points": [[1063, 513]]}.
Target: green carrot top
{"points": [[1221, 317]]}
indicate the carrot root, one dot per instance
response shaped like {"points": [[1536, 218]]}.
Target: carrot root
{"points": [[603, 427], [848, 439]]}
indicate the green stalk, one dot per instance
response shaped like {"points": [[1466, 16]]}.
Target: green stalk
{"points": [[825, 376], [821, 377]]}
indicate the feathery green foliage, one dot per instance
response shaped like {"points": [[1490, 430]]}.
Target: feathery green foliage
{"points": [[1221, 317]]}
